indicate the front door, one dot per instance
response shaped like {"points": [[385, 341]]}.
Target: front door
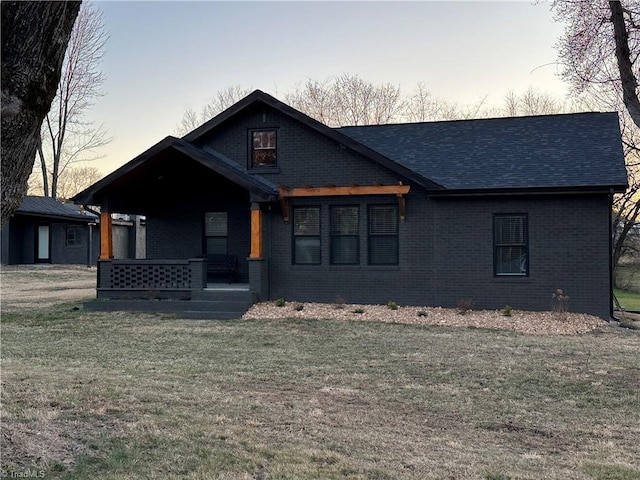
{"points": [[42, 244]]}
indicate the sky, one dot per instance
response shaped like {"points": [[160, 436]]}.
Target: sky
{"points": [[163, 57]]}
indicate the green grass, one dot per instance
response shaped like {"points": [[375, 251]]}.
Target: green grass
{"points": [[628, 300], [110, 396]]}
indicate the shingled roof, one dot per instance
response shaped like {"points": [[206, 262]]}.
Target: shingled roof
{"points": [[50, 207], [581, 150]]}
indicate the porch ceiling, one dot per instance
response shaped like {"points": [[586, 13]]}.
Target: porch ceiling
{"points": [[172, 169]]}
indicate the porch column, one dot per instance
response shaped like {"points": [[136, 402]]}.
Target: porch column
{"points": [[256, 231], [106, 236], [258, 264]]}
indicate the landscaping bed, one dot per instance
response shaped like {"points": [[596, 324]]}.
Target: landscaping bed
{"points": [[537, 323]]}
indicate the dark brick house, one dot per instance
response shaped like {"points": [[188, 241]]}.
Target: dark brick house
{"points": [[501, 211]]}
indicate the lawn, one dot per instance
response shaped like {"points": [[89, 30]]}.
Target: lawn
{"points": [[628, 300], [111, 396]]}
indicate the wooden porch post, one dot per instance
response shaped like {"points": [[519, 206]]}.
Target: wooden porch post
{"points": [[256, 231], [106, 236]]}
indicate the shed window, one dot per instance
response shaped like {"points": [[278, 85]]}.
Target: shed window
{"points": [[511, 249], [306, 235], [72, 237], [345, 237], [215, 231], [263, 148], [383, 235]]}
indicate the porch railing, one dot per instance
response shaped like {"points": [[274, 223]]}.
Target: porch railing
{"points": [[151, 279]]}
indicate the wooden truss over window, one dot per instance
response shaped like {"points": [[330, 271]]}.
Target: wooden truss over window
{"points": [[285, 193]]}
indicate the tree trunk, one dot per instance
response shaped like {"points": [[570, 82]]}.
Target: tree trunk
{"points": [[34, 40], [625, 66]]}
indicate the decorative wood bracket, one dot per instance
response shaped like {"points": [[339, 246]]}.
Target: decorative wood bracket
{"points": [[399, 190]]}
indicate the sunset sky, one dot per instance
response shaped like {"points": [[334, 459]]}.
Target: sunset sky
{"points": [[164, 57]]}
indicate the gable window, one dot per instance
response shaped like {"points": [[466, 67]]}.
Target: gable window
{"points": [[263, 148], [383, 235], [215, 231], [306, 236], [72, 237], [345, 237], [511, 252]]}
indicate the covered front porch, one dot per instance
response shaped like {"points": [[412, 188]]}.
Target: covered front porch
{"points": [[200, 207]]}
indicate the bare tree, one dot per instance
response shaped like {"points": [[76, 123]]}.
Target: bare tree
{"points": [[348, 100], [599, 48], [34, 40], [71, 181], [599, 51], [223, 100], [531, 102], [67, 137]]}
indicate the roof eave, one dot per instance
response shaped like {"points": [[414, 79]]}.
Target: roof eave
{"points": [[519, 191]]}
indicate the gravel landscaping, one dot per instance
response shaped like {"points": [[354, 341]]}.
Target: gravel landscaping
{"points": [[538, 323]]}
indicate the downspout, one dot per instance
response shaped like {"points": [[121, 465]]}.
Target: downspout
{"points": [[611, 254]]}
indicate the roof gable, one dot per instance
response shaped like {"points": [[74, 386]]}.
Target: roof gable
{"points": [[261, 188], [537, 152], [259, 96]]}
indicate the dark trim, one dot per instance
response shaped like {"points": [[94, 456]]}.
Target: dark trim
{"points": [[342, 139], [331, 235], [250, 149], [294, 236], [259, 188], [369, 236], [611, 314], [496, 246], [485, 192]]}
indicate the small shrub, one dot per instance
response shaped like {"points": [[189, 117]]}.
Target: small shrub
{"points": [[464, 305], [339, 302], [391, 305], [279, 302], [560, 302], [358, 310], [298, 307], [422, 313], [507, 311]]}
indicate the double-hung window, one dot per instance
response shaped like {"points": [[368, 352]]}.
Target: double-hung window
{"points": [[263, 148], [215, 231], [306, 236], [345, 237], [72, 236], [511, 249], [383, 235]]}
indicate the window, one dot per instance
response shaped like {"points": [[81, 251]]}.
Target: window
{"points": [[72, 237], [263, 148], [345, 238], [306, 235], [511, 255], [383, 235], [215, 231]]}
